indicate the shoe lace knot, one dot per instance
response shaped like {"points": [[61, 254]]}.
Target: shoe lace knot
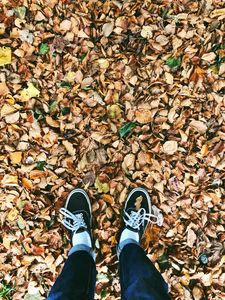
{"points": [[72, 221], [136, 219]]}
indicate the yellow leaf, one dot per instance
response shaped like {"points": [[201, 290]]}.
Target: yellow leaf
{"points": [[29, 92], [15, 157], [10, 99], [12, 215], [114, 111], [5, 56], [103, 63], [70, 76], [101, 187], [9, 180], [217, 12], [7, 110]]}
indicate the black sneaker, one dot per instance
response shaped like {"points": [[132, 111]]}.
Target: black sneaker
{"points": [[138, 213], [77, 213]]}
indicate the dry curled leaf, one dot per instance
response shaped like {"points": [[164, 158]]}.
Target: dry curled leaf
{"points": [[146, 32], [170, 147], [199, 126], [143, 116], [107, 29]]}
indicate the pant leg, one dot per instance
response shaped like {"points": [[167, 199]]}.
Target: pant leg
{"points": [[139, 278], [77, 279]]}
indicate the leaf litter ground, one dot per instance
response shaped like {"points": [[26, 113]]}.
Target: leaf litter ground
{"points": [[110, 95]]}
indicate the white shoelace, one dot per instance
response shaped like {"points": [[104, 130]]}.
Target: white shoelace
{"points": [[136, 219], [76, 221]]}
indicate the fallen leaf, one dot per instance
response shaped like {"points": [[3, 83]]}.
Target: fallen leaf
{"points": [[209, 57], [143, 116], [169, 78], [126, 128], [34, 174], [146, 32], [12, 118], [103, 63], [128, 162], [107, 29], [3, 89], [217, 13], [12, 215], [9, 180], [114, 111], [7, 110], [27, 183], [65, 25], [191, 237], [170, 147], [5, 56], [37, 250], [199, 126], [102, 187], [69, 147], [15, 157], [107, 198], [30, 92]]}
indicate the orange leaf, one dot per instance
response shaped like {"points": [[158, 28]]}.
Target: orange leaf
{"points": [[27, 183], [37, 250], [107, 198], [34, 174]]}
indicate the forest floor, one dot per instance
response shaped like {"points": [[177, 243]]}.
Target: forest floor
{"points": [[107, 96]]}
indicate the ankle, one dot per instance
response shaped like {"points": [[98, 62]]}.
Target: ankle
{"points": [[81, 238], [128, 234]]}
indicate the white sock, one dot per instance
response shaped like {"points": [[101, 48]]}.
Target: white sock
{"points": [[81, 238], [129, 234]]}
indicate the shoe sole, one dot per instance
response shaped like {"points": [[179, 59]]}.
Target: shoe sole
{"points": [[139, 189], [78, 190]]}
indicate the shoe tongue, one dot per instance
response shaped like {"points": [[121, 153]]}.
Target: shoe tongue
{"points": [[129, 210]]}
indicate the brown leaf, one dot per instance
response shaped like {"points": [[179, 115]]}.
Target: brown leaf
{"points": [[143, 116]]}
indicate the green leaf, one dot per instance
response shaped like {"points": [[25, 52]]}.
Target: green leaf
{"points": [[173, 62], [40, 165], [127, 128], [83, 56], [103, 294], [44, 49], [163, 262], [20, 12], [65, 111], [65, 84]]}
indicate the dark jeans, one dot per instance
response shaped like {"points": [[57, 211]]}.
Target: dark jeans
{"points": [[138, 277]]}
